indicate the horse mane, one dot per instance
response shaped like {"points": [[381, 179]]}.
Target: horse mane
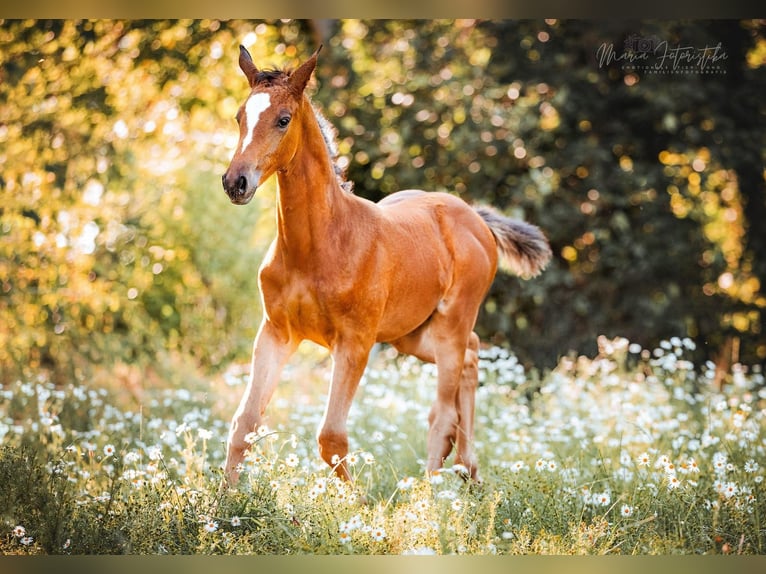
{"points": [[329, 134]]}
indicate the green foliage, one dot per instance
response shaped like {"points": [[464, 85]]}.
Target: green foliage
{"points": [[117, 245]]}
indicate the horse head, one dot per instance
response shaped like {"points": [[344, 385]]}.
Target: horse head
{"points": [[268, 130]]}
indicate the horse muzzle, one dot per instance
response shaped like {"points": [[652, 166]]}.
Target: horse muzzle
{"points": [[240, 186]]}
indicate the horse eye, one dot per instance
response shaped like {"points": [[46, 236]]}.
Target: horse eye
{"points": [[283, 121]]}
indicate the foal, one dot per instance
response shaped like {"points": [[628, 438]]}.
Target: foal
{"points": [[411, 270]]}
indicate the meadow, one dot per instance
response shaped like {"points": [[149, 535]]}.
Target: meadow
{"points": [[634, 451]]}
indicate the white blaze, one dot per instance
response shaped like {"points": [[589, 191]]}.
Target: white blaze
{"points": [[254, 107]]}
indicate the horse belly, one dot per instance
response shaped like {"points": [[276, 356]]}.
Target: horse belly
{"points": [[418, 285]]}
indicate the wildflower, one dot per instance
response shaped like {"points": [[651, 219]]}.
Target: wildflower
{"points": [[436, 477], [447, 495], [210, 526], [352, 459], [19, 531], [460, 470], [626, 510], [204, 434], [643, 459], [132, 457], [67, 543], [344, 537], [602, 499], [517, 466], [552, 465], [292, 460], [729, 489], [27, 540], [368, 458], [506, 535], [751, 466], [422, 505], [251, 437], [236, 521], [378, 534], [719, 462], [154, 452], [457, 505], [673, 482], [109, 450], [405, 483], [321, 485], [355, 522], [540, 464]]}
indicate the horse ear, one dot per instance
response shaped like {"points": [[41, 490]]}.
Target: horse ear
{"points": [[300, 77], [247, 66]]}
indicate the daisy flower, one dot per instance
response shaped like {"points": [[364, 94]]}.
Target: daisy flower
{"points": [[211, 526], [751, 466], [602, 499], [27, 540], [292, 460], [368, 458], [236, 521], [460, 470], [517, 466], [154, 452], [626, 510], [109, 450], [344, 537], [251, 437], [540, 464], [436, 477], [19, 531], [457, 505], [643, 459], [355, 522], [729, 489], [673, 482], [405, 483], [352, 459], [378, 534]]}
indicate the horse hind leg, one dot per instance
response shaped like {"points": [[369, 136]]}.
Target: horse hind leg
{"points": [[466, 406], [452, 414]]}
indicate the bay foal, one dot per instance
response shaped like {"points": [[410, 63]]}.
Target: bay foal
{"points": [[411, 270]]}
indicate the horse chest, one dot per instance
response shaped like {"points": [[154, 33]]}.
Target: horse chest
{"points": [[303, 305]]}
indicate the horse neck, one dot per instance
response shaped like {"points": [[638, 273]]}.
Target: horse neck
{"points": [[309, 196]]}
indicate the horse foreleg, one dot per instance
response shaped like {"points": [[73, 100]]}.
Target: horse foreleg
{"points": [[270, 352], [349, 362]]}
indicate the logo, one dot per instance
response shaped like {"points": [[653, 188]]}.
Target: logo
{"points": [[652, 55]]}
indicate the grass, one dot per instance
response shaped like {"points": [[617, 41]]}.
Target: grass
{"points": [[631, 452]]}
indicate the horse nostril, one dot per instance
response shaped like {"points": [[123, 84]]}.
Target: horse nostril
{"points": [[242, 184]]}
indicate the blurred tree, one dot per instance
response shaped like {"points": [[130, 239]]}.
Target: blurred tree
{"points": [[638, 178], [119, 246]]}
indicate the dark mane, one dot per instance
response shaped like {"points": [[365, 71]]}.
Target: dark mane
{"points": [[272, 77]]}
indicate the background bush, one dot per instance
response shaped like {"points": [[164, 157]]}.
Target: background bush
{"points": [[118, 244]]}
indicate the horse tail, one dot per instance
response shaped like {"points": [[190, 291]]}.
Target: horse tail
{"points": [[523, 248]]}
